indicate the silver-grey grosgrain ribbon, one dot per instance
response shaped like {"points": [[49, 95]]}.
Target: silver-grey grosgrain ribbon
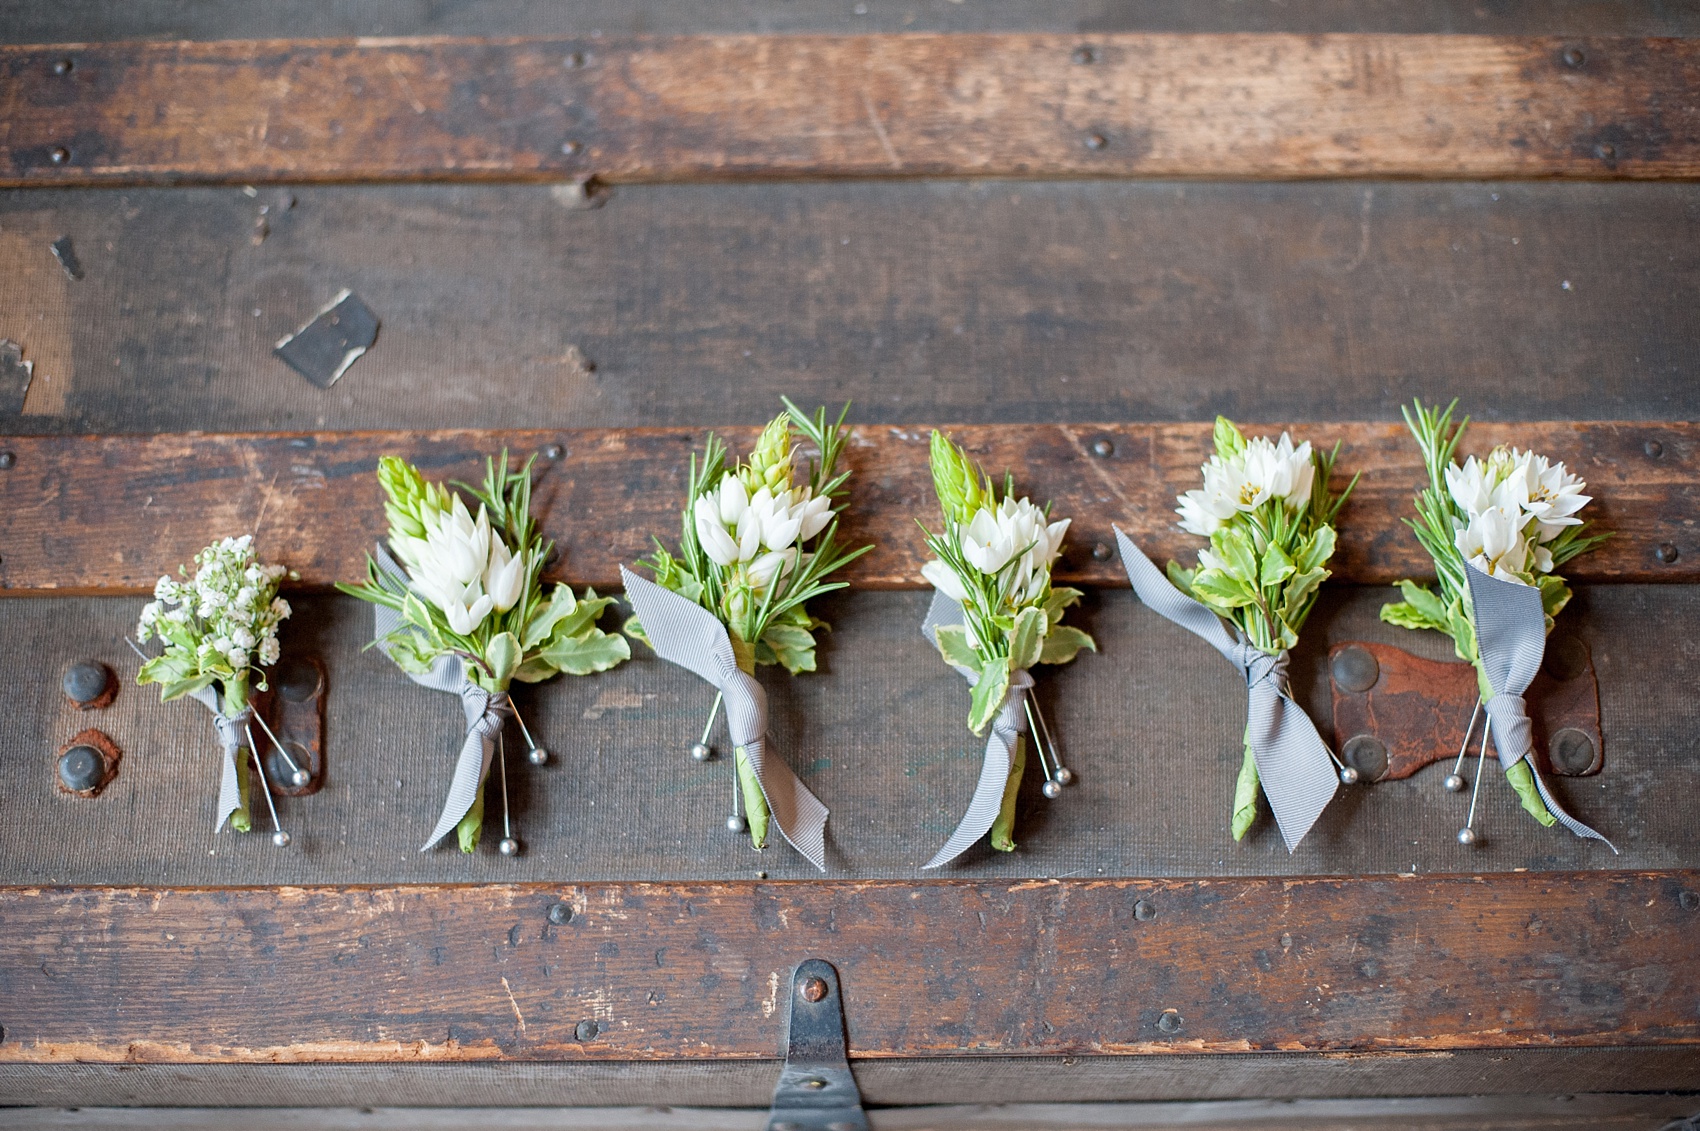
{"points": [[1007, 727], [484, 711], [1511, 639], [683, 632], [1293, 763], [232, 737]]}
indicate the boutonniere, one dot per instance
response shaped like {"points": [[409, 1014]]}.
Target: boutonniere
{"points": [[758, 542], [465, 611], [1267, 510], [219, 630], [994, 615], [1498, 529]]}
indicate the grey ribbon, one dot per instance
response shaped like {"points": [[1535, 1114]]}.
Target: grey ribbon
{"points": [[1293, 762], [683, 632], [232, 736], [1010, 723], [1511, 639], [484, 711]]}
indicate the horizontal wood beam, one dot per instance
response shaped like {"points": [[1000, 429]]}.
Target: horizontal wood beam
{"points": [[696, 970], [112, 513], [728, 107]]}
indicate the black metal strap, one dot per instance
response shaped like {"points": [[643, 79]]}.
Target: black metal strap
{"points": [[816, 1091]]}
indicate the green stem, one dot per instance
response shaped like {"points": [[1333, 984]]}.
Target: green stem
{"points": [[1003, 829], [1521, 777], [472, 825], [1245, 794], [755, 803], [242, 820]]}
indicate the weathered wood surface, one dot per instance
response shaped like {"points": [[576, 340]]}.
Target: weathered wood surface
{"points": [[972, 302], [718, 107], [101, 513], [657, 971], [1152, 728]]}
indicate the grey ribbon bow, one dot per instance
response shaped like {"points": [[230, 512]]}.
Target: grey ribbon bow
{"points": [[1293, 762], [1511, 639], [1010, 723], [232, 734], [484, 711], [683, 632]]}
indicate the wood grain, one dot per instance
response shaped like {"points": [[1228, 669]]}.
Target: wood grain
{"points": [[112, 513], [740, 106], [661, 971]]}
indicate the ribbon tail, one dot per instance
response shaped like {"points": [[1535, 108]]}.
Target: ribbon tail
{"points": [[799, 814], [470, 768], [1563, 817], [229, 792], [983, 808], [1292, 760]]}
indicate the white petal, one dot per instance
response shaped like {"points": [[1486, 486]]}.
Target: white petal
{"points": [[944, 579]]}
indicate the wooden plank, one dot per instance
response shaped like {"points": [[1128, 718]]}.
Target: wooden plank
{"points": [[662, 971], [105, 513], [735, 107]]}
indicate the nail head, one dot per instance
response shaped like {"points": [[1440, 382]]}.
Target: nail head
{"points": [[1574, 57], [1083, 55], [1144, 911], [1667, 553], [81, 769], [1653, 448], [62, 67], [1096, 141], [1355, 669], [586, 1030], [1101, 552], [8, 460], [1170, 1021], [813, 989], [59, 155], [560, 913], [1688, 900], [1103, 448], [86, 681]]}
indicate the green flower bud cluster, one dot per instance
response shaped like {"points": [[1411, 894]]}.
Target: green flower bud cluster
{"points": [[962, 487], [413, 507], [770, 462]]}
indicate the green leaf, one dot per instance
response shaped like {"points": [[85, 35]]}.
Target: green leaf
{"points": [[1406, 615], [184, 687], [1245, 796], [1234, 547], [1316, 551], [534, 670], [1555, 594], [634, 629], [1298, 591], [1182, 579], [793, 648], [954, 647], [471, 825], [1277, 567], [415, 612], [1425, 600], [1063, 643], [1027, 637], [590, 651], [1228, 439], [1061, 598], [561, 604], [1214, 587], [502, 654], [585, 613], [1523, 781], [988, 693], [755, 802], [171, 667]]}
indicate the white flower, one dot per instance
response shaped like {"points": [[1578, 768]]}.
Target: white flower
{"points": [[504, 576], [1548, 493], [242, 637], [773, 514], [988, 544], [1278, 470], [268, 651], [720, 546], [814, 512], [1493, 542], [774, 563], [1198, 511], [1015, 532], [944, 579]]}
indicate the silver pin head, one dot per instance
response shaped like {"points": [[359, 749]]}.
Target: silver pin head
{"points": [[1349, 775], [1466, 835], [508, 847], [300, 778], [281, 839], [1454, 783], [736, 823], [702, 751], [1065, 775], [1052, 789], [538, 756]]}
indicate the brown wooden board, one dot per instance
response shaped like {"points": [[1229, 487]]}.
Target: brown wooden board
{"points": [[507, 306], [1151, 726], [98, 513], [659, 971], [718, 107]]}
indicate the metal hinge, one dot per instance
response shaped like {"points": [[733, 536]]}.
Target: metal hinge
{"points": [[816, 1091]]}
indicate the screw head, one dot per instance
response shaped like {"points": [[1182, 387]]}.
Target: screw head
{"points": [[508, 847], [1653, 448], [1083, 55], [1170, 1021], [554, 451], [586, 1030], [1466, 835], [1605, 152], [571, 148], [62, 67], [1688, 900], [812, 989], [1065, 775], [538, 756], [281, 839], [1348, 775], [1574, 57], [299, 778], [1101, 552], [1051, 789], [1144, 911], [1103, 448], [736, 823], [81, 768], [560, 913], [701, 751], [1096, 142], [8, 460], [1454, 783], [1666, 553], [59, 155]]}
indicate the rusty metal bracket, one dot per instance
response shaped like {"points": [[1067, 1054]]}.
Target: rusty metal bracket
{"points": [[1395, 713], [816, 1091], [294, 707]]}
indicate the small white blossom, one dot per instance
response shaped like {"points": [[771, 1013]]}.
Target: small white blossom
{"points": [[1493, 543], [1265, 469]]}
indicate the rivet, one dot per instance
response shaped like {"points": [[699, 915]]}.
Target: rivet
{"points": [[573, 61], [1366, 754], [8, 460], [570, 147], [1170, 1021], [1355, 669], [1102, 448], [1571, 751], [81, 768], [1605, 152], [62, 67], [813, 1083], [1688, 900], [297, 680], [586, 1030], [1083, 55], [1096, 141], [59, 155], [1566, 658], [1574, 57], [554, 451], [1101, 552], [1143, 911], [560, 913], [1666, 553], [86, 681], [812, 989], [1653, 448]]}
